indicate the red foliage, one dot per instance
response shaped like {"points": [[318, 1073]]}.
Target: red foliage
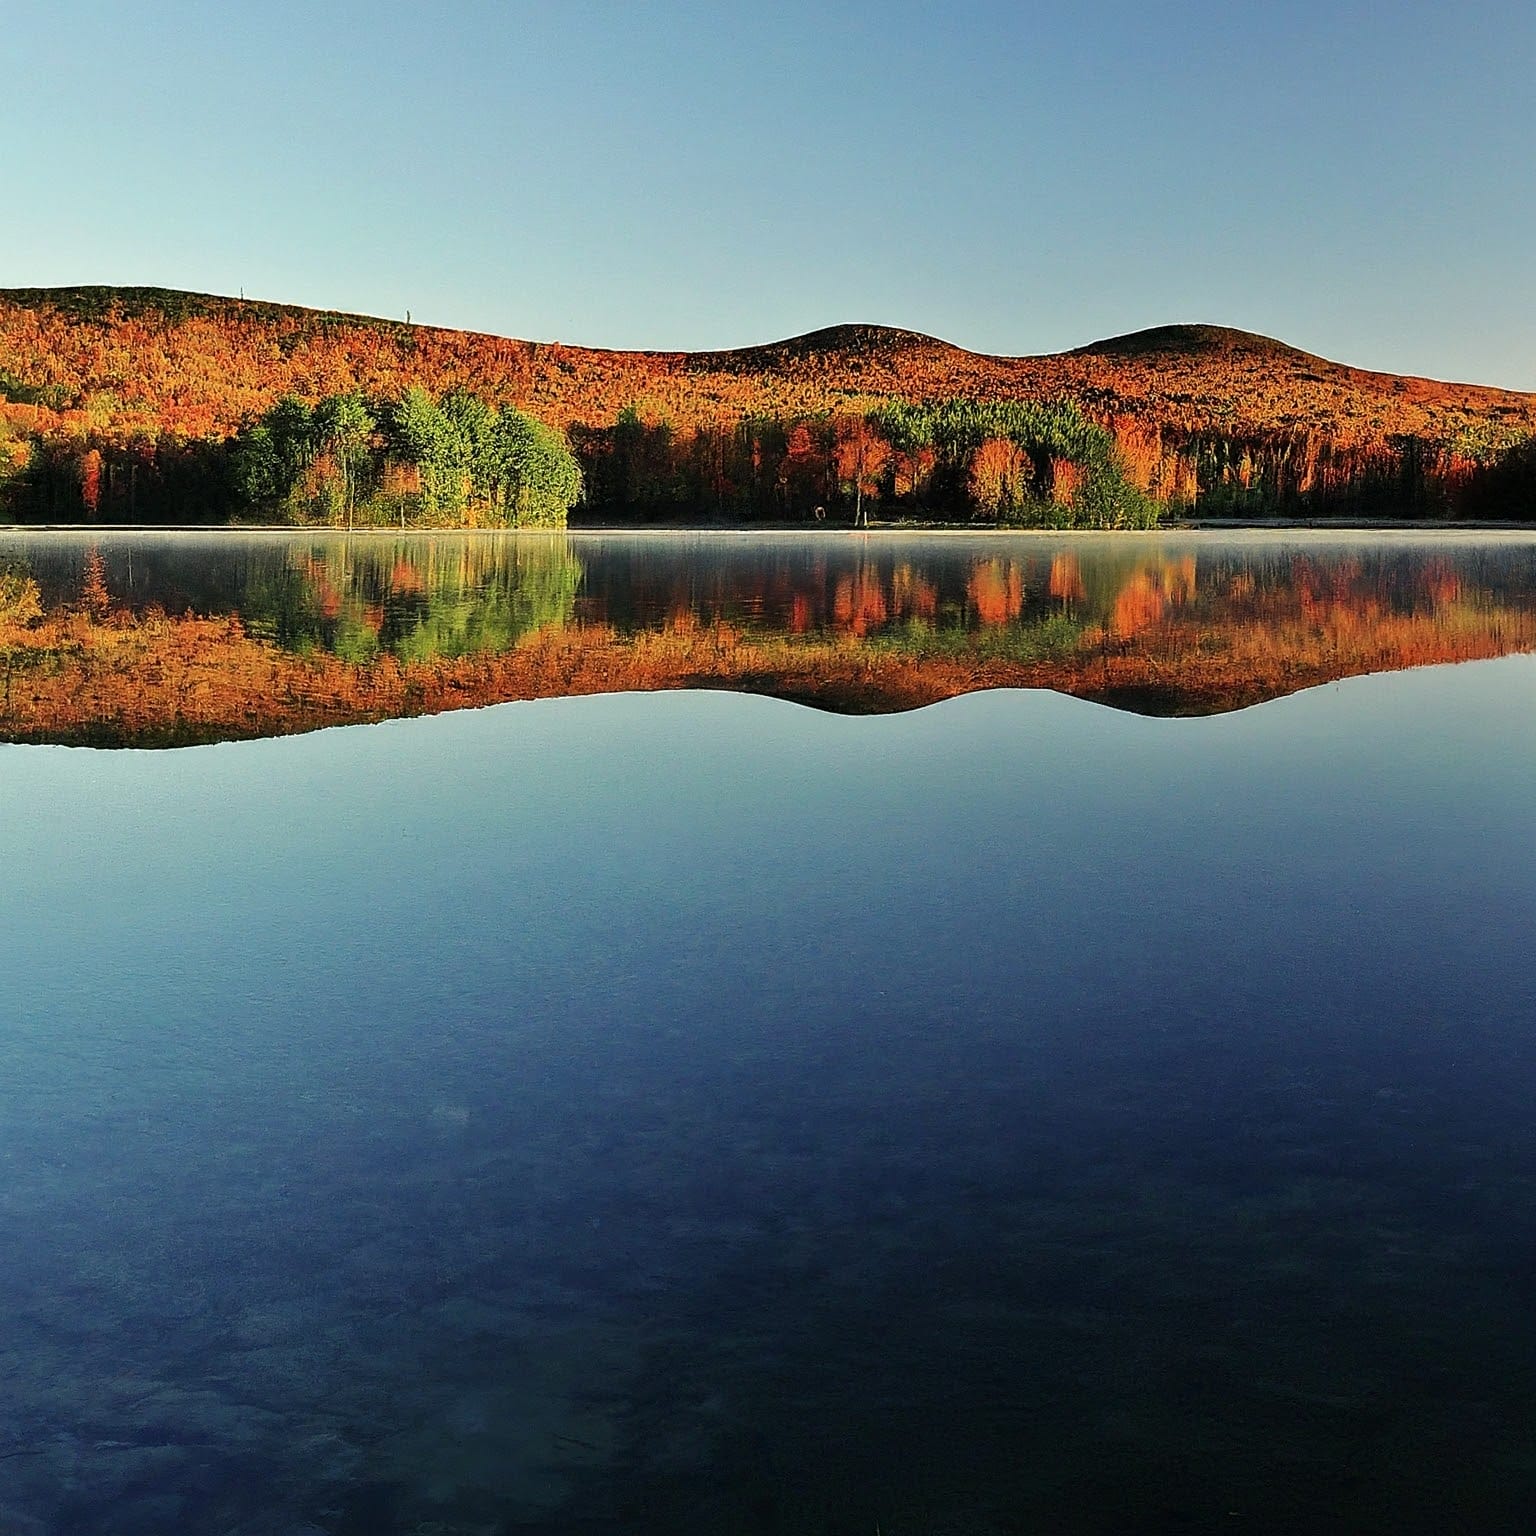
{"points": [[90, 480], [130, 368]]}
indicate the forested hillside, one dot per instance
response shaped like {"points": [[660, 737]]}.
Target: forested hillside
{"points": [[133, 404]]}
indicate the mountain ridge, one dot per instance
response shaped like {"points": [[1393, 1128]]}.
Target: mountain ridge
{"points": [[100, 367], [101, 301]]}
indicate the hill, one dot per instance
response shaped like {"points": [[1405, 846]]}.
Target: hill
{"points": [[113, 366], [204, 362]]}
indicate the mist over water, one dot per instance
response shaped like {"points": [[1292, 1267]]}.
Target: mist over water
{"points": [[310, 588]]}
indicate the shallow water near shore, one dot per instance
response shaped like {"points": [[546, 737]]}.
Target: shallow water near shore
{"points": [[693, 1113]]}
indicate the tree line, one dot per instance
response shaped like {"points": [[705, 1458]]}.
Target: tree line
{"points": [[343, 460], [415, 459], [1036, 463], [998, 460]]}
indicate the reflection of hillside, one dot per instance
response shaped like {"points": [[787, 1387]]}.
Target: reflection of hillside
{"points": [[340, 638]]}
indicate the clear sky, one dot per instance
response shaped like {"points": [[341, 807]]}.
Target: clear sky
{"points": [[1357, 179]]}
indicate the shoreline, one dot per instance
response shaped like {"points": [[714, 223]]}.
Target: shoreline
{"points": [[818, 530]]}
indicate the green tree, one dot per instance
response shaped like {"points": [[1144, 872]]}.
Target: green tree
{"points": [[417, 431], [909, 431], [344, 429], [270, 457], [537, 477], [471, 425]]}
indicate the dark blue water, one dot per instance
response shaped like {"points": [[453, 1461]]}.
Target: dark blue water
{"points": [[692, 1113]]}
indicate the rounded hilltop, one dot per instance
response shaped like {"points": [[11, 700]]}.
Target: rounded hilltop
{"points": [[829, 344], [1203, 358], [141, 362], [1190, 343], [1187, 341]]}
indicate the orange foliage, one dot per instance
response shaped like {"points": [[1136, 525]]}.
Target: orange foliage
{"points": [[913, 596], [94, 597], [1141, 602], [1148, 595], [1066, 477], [1179, 578], [136, 363], [1140, 447], [912, 471], [90, 480], [859, 603], [405, 578], [1183, 484], [997, 475]]}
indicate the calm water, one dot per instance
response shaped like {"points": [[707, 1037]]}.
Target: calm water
{"points": [[693, 1113], [424, 596], [177, 639]]}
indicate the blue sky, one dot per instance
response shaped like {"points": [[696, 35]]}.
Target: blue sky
{"points": [[1359, 180]]}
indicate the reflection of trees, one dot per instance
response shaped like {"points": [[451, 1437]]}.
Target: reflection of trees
{"points": [[1357, 611], [419, 599], [1066, 582], [1151, 592], [860, 602], [333, 631], [412, 598], [460, 617], [996, 590]]}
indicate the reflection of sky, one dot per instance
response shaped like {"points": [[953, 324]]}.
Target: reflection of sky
{"points": [[320, 889], [562, 996]]}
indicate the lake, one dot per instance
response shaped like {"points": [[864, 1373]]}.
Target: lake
{"points": [[176, 639], [688, 1111]]}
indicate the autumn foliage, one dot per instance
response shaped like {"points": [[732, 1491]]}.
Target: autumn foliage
{"points": [[115, 403]]}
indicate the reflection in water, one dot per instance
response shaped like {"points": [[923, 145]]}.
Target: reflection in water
{"points": [[687, 1115], [142, 639], [418, 602]]}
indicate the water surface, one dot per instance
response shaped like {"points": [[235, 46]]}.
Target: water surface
{"points": [[693, 1113], [153, 640]]}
